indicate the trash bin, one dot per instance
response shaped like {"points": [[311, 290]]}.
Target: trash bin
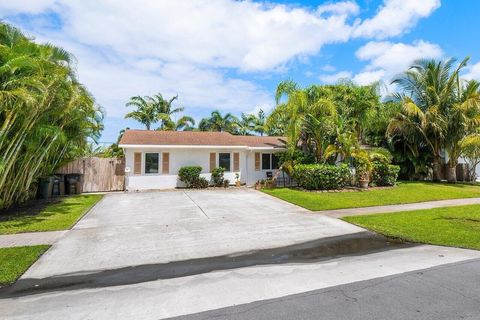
{"points": [[74, 183], [45, 188], [59, 185]]}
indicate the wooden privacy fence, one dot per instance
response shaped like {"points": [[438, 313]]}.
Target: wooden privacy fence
{"points": [[99, 174]]}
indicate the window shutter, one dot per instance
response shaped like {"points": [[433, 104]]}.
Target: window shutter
{"points": [[137, 168], [236, 161], [166, 163], [257, 161], [213, 160]]}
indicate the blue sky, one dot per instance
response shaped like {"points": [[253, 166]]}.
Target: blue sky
{"points": [[230, 55]]}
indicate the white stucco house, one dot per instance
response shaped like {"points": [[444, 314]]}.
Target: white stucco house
{"points": [[153, 158]]}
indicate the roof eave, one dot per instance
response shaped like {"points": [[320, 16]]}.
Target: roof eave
{"points": [[177, 146]]}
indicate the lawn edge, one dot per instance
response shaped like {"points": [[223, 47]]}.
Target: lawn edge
{"points": [[68, 228], [401, 238], [49, 246], [84, 214], [379, 205]]}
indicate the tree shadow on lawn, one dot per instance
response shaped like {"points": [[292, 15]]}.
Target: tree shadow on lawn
{"points": [[36, 211], [28, 208]]}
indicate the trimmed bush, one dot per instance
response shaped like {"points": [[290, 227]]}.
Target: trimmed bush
{"points": [[321, 176], [384, 174], [190, 176], [201, 183], [217, 176]]}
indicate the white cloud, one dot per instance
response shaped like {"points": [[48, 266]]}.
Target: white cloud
{"points": [[332, 78], [395, 17], [344, 7], [328, 68], [368, 77], [202, 50], [198, 49], [26, 6], [473, 72], [221, 33], [385, 59]]}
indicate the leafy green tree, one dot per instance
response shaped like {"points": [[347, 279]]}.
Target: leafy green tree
{"points": [[46, 116], [431, 103], [185, 123], [470, 146], [259, 122], [246, 124], [217, 122], [463, 119], [166, 111], [147, 110], [310, 117]]}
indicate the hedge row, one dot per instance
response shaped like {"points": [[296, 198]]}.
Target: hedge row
{"points": [[384, 174], [191, 177], [321, 176]]}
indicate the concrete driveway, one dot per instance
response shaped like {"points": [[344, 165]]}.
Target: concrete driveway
{"points": [[134, 229], [163, 254]]}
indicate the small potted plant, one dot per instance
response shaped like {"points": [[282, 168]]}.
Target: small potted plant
{"points": [[363, 180], [363, 167], [237, 180], [270, 183], [258, 185]]}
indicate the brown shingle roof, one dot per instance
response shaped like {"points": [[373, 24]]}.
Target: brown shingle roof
{"points": [[197, 138]]}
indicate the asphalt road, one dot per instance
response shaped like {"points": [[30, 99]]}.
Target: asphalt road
{"points": [[445, 292]]}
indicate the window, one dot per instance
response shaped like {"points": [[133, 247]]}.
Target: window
{"points": [[224, 161], [275, 161], [266, 161], [270, 161], [151, 162]]}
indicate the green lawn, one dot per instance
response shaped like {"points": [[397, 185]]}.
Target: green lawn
{"points": [[57, 216], [404, 192], [15, 261], [453, 226]]}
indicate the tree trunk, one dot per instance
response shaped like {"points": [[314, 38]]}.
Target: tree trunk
{"points": [[436, 169], [452, 173]]}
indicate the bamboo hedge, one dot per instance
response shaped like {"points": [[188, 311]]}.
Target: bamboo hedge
{"points": [[46, 115]]}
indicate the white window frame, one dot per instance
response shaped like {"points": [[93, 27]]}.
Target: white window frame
{"points": [[270, 162], [231, 159], [145, 163]]}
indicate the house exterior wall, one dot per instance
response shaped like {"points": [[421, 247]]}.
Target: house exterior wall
{"points": [[180, 157]]}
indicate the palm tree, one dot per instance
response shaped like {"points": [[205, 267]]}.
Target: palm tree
{"points": [[166, 111], [470, 146], [463, 119], [46, 116], [246, 124], [147, 110], [309, 114], [217, 122], [259, 122], [185, 123], [428, 91]]}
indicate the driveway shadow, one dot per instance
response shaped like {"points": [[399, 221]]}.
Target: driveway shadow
{"points": [[355, 244]]}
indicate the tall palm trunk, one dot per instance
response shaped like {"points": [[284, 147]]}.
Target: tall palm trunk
{"points": [[452, 174], [437, 173]]}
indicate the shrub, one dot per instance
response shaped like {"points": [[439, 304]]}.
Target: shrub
{"points": [[217, 176], [190, 176], [226, 183], [201, 183], [384, 174], [321, 176]]}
